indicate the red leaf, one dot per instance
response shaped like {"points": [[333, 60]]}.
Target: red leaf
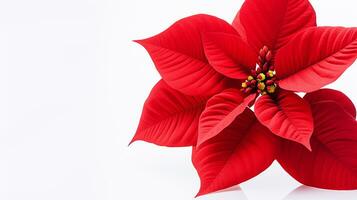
{"points": [[229, 54], [316, 57], [332, 164], [286, 115], [220, 112], [240, 152], [273, 22], [179, 56], [338, 97], [169, 118]]}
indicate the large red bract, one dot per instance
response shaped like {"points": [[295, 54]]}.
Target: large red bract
{"points": [[213, 72], [333, 162]]}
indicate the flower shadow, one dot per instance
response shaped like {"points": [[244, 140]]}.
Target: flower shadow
{"points": [[309, 193]]}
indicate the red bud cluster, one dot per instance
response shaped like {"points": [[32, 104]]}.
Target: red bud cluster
{"points": [[262, 79]]}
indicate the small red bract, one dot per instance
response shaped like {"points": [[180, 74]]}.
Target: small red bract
{"points": [[212, 72]]}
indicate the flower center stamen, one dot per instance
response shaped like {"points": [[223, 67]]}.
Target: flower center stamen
{"points": [[263, 78]]}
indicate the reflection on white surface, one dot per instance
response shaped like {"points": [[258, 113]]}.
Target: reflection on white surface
{"points": [[309, 193], [233, 193]]}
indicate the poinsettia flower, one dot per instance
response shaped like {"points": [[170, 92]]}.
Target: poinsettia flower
{"points": [[212, 72]]}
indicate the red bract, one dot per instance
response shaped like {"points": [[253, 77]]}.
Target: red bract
{"points": [[213, 72], [333, 162]]}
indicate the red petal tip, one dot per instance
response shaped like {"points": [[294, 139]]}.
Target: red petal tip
{"points": [[201, 193], [142, 42], [137, 41], [199, 143], [307, 144], [131, 142]]}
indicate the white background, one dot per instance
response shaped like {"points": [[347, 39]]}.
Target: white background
{"points": [[72, 85]]}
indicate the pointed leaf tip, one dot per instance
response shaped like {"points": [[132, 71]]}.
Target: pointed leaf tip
{"points": [[179, 57], [132, 141], [307, 144], [287, 115], [169, 118]]}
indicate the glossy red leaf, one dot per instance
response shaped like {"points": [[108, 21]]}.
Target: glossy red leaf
{"points": [[316, 57], [229, 54], [243, 150], [338, 97], [273, 22], [332, 164], [220, 112], [169, 118], [286, 115], [179, 56]]}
